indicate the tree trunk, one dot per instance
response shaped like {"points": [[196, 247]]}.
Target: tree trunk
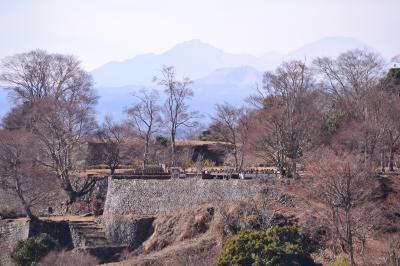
{"points": [[365, 155], [70, 193], [335, 223], [67, 187], [391, 160], [73, 194], [349, 236], [173, 150], [293, 169], [351, 253], [71, 197], [382, 163], [235, 155], [363, 243], [29, 212], [241, 162], [27, 207], [145, 154]]}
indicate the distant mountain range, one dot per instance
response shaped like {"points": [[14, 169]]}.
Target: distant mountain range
{"points": [[231, 85], [197, 59], [218, 76]]}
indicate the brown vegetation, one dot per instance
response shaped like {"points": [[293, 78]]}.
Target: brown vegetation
{"points": [[334, 123], [68, 258]]}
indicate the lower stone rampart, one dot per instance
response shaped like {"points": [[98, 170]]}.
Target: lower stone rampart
{"points": [[10, 233], [155, 197], [128, 230]]}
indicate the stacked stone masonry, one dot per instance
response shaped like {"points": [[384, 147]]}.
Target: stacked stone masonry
{"points": [[10, 233], [155, 197]]}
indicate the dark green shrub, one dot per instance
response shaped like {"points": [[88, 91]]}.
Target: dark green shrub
{"points": [[30, 251], [162, 141], [274, 246]]}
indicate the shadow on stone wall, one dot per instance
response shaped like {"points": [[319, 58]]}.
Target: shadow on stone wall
{"points": [[128, 230]]}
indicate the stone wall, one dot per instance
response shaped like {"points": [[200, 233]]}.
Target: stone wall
{"points": [[128, 230], [58, 230], [11, 231], [55, 198], [154, 197]]}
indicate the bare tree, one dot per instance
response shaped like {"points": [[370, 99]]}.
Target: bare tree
{"points": [[383, 126], [60, 99], [230, 125], [176, 109], [63, 129], [38, 74], [387, 95], [18, 172], [145, 114], [290, 109], [349, 79], [344, 183], [266, 135], [112, 136]]}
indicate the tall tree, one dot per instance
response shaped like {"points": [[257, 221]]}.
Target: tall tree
{"points": [[37, 74], [350, 79], [145, 115], [343, 182], [112, 137], [266, 134], [59, 96], [176, 109], [290, 109], [231, 125], [18, 172]]}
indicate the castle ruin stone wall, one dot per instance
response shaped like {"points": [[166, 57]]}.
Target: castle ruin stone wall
{"points": [[155, 197]]}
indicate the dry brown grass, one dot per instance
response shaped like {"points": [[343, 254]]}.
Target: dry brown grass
{"points": [[68, 258], [187, 238], [193, 237], [387, 200]]}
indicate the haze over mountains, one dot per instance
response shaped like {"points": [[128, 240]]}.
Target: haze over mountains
{"points": [[197, 59], [218, 76]]}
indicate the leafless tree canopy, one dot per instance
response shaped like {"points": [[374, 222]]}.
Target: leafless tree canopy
{"points": [[176, 109], [145, 116], [344, 183], [58, 96], [38, 74], [113, 138], [19, 173], [349, 77], [289, 112], [231, 125]]}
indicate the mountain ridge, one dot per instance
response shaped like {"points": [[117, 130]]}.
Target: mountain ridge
{"points": [[218, 77], [197, 59]]}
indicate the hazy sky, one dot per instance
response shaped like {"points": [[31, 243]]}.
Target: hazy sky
{"points": [[98, 31]]}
